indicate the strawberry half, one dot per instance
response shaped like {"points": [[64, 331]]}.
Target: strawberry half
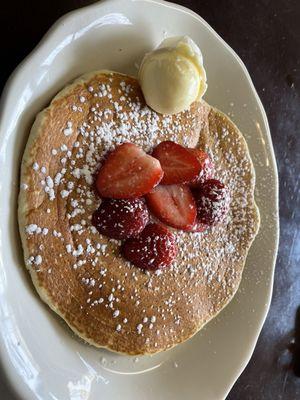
{"points": [[128, 172], [121, 219], [207, 167], [153, 249], [174, 205], [213, 201], [178, 163]]}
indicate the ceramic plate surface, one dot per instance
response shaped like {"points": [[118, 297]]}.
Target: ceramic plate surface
{"points": [[41, 357]]}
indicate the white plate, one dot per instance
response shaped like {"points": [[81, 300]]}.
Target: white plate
{"points": [[42, 358]]}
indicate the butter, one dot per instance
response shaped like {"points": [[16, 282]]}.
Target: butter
{"points": [[172, 76]]}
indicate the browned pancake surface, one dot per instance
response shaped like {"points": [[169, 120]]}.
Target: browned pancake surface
{"points": [[80, 273]]}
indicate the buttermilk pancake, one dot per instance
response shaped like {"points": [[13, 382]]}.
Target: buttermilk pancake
{"points": [[80, 273]]}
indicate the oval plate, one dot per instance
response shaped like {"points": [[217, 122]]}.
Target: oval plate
{"points": [[42, 359]]}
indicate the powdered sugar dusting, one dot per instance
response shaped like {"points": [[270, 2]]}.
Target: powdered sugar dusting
{"points": [[155, 308]]}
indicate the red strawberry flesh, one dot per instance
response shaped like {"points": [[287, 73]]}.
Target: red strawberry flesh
{"points": [[207, 167], [178, 163], [128, 172], [153, 249], [174, 205], [121, 219], [213, 201]]}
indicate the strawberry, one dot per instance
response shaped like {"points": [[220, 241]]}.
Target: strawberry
{"points": [[121, 219], [178, 163], [213, 201], [153, 249], [128, 172], [174, 205], [207, 167]]}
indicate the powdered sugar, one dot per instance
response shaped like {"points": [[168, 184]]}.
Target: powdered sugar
{"points": [[68, 130], [139, 304], [35, 166]]}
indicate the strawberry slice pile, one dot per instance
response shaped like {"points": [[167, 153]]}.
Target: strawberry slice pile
{"points": [[174, 183]]}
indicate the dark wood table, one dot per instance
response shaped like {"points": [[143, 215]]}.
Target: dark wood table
{"points": [[266, 35]]}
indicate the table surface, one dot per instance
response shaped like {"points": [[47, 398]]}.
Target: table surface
{"points": [[266, 35]]}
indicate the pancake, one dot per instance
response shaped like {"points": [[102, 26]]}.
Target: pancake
{"points": [[79, 273]]}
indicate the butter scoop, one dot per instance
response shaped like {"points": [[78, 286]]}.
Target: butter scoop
{"points": [[172, 76]]}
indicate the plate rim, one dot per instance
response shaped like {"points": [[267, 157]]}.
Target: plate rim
{"points": [[6, 369]]}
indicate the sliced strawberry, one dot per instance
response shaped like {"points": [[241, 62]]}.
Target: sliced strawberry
{"points": [[174, 205], [153, 249], [207, 167], [213, 201], [128, 172], [121, 219], [178, 163]]}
